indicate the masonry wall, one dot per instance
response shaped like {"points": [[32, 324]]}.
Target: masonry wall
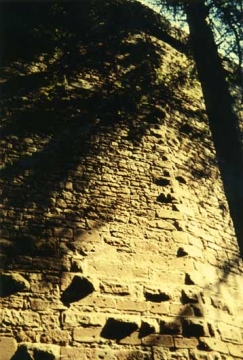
{"points": [[117, 243]]}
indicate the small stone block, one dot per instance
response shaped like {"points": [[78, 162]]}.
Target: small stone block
{"points": [[133, 339], [87, 334], [158, 340], [159, 308], [72, 353], [169, 214], [185, 343]]}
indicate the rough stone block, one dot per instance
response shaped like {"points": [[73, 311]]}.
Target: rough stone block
{"points": [[212, 344], [109, 268], [133, 339], [39, 305], [8, 347], [169, 214], [190, 250], [180, 237], [236, 350], [76, 316], [148, 326], [170, 326], [56, 336], [101, 302], [73, 353], [132, 305], [37, 351], [129, 355], [157, 295], [181, 310], [185, 343], [160, 308], [25, 318], [203, 355], [86, 334], [86, 236], [114, 288], [160, 353], [190, 294], [162, 224], [42, 287], [182, 263], [168, 279], [158, 340], [230, 333]]}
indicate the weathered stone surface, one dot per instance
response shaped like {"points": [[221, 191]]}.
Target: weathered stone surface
{"points": [[185, 343], [169, 214], [170, 326], [8, 347], [72, 353], [60, 337], [133, 339], [190, 294], [20, 318], [37, 351], [110, 287], [158, 340], [230, 333], [75, 316], [236, 350], [161, 308], [39, 305], [214, 344], [130, 305], [85, 236], [115, 227], [160, 353], [86, 334]]}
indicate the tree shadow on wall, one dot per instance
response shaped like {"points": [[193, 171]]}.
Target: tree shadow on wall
{"points": [[63, 92], [74, 76]]}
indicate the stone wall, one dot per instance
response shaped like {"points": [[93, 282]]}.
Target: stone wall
{"points": [[116, 240]]}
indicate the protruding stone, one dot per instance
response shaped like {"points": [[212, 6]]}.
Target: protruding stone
{"points": [[8, 347], [189, 295], [170, 326], [118, 329], [37, 351], [148, 327], [86, 242], [12, 283], [79, 288], [156, 295], [194, 328], [162, 181]]}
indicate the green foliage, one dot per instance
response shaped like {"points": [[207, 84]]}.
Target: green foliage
{"points": [[225, 18]]}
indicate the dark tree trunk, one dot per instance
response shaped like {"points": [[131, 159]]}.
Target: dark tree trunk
{"points": [[223, 121]]}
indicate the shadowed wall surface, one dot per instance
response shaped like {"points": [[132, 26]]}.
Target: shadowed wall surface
{"points": [[116, 240]]}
